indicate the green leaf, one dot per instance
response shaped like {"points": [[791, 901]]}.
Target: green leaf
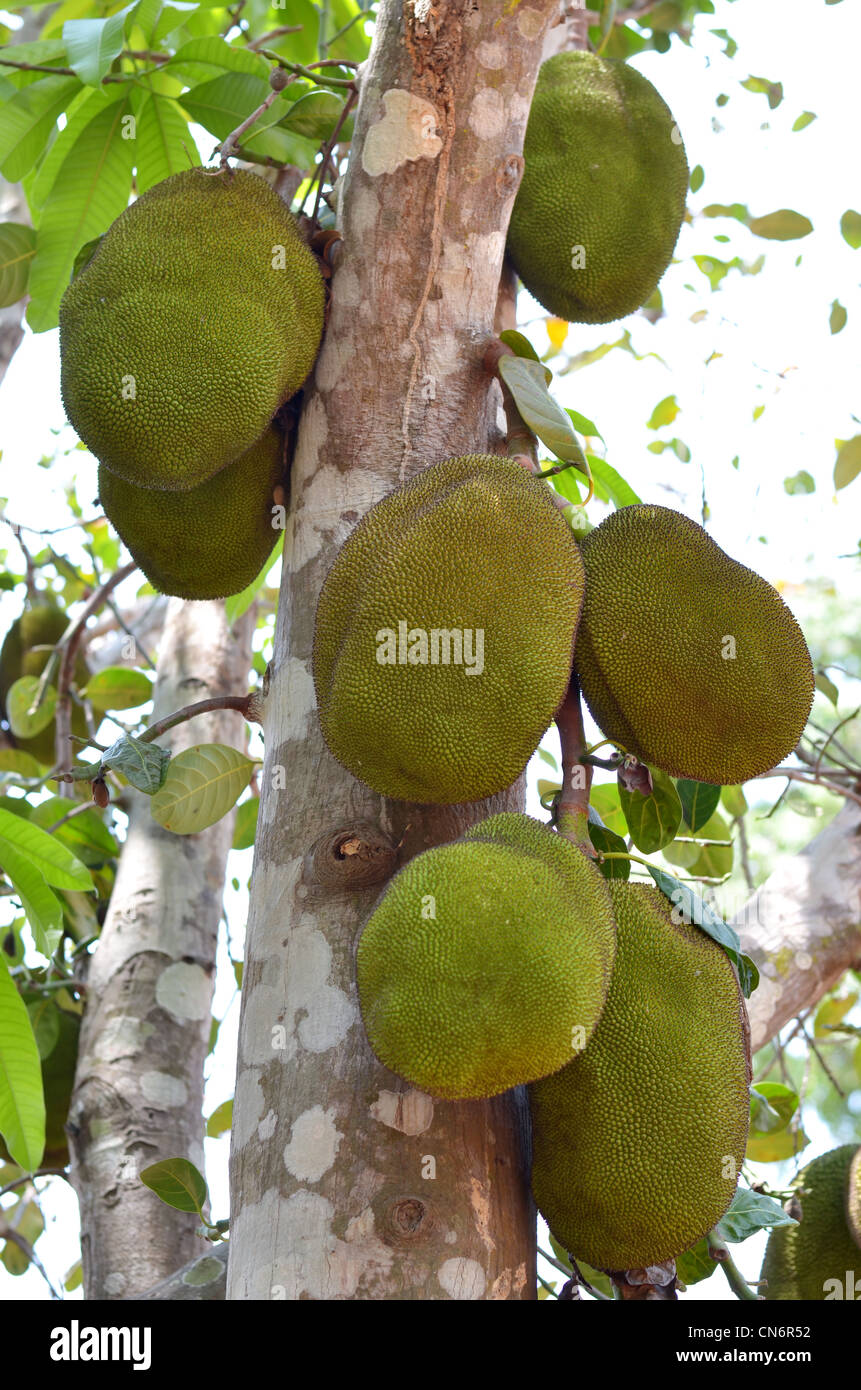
{"points": [[201, 786], [697, 178], [772, 90], [225, 102], [838, 316], [827, 686], [93, 44], [604, 798], [784, 225], [315, 116], [607, 842], [246, 823], [44, 1019], [664, 413], [142, 764], [584, 424], [799, 484], [90, 191], [695, 1265], [803, 120], [198, 56], [749, 1212], [699, 801], [694, 910], [620, 493], [22, 1102], [164, 144], [28, 121], [220, 1120], [850, 228], [848, 464], [521, 347], [734, 801], [20, 702], [774, 1148], [527, 384], [118, 687], [832, 1011], [17, 249], [178, 1183], [18, 763], [772, 1106], [86, 831], [652, 820], [52, 860], [74, 1278]]}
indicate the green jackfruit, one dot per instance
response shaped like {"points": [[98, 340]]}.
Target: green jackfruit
{"points": [[602, 199], [689, 660], [637, 1143], [444, 633], [210, 541], [818, 1259], [486, 961], [26, 652], [200, 312]]}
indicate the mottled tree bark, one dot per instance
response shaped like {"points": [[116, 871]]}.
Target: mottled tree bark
{"points": [[803, 926], [145, 1035], [346, 1183]]}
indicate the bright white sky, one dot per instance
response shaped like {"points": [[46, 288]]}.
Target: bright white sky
{"points": [[776, 350]]}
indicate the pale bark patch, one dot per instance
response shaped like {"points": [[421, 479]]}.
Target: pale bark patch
{"points": [[249, 1104], [115, 1283], [531, 22], [185, 990], [491, 55], [407, 131], [462, 1279], [122, 1036], [162, 1089], [294, 687], [410, 1112], [313, 1144], [487, 115]]}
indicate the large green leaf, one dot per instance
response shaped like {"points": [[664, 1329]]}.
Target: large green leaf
{"points": [[57, 864], [784, 225], [749, 1212], [195, 59], [25, 719], [620, 493], [40, 180], [17, 249], [93, 44], [164, 144], [42, 907], [201, 786], [22, 1102], [315, 116], [27, 121], [850, 228], [177, 1182], [221, 105], [118, 687], [699, 800], [692, 909], [848, 464], [91, 190], [526, 380], [654, 819]]}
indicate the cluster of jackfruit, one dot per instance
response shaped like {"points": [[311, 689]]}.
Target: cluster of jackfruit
{"points": [[602, 199], [198, 315], [505, 957], [26, 650], [820, 1257]]}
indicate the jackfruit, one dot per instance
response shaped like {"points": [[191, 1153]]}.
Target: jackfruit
{"points": [[686, 658], [445, 629], [598, 211], [26, 652], [210, 541], [818, 1259], [200, 312], [486, 961], [637, 1142]]}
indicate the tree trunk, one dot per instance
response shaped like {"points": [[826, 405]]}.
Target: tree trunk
{"points": [[803, 926], [345, 1182], [145, 1036]]}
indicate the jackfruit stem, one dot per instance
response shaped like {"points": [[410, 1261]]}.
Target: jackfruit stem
{"points": [[572, 812], [720, 1251]]}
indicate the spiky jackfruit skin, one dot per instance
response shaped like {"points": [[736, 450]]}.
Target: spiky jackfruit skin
{"points": [[605, 171], [487, 961], [471, 545], [180, 338], [687, 658], [637, 1143], [206, 543], [25, 652], [801, 1260]]}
